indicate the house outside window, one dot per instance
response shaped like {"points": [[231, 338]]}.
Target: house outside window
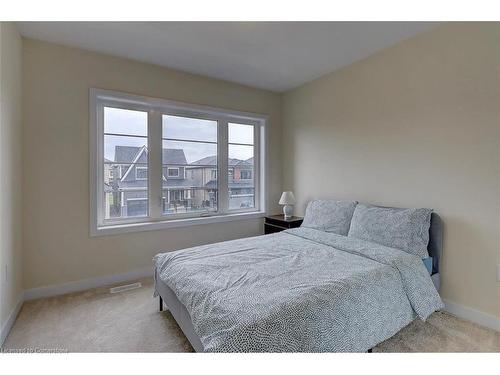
{"points": [[143, 147]]}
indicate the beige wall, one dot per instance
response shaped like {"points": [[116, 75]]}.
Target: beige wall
{"points": [[56, 161], [11, 282], [416, 125]]}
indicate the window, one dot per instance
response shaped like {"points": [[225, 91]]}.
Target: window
{"points": [[246, 174], [173, 172], [125, 135], [110, 172], [141, 173], [159, 164], [241, 149], [191, 144]]}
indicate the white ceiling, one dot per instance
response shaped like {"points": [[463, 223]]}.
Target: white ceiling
{"points": [[276, 56]]}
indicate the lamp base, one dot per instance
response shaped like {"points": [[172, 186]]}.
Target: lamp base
{"points": [[287, 211]]}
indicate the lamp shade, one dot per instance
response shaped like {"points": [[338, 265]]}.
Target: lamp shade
{"points": [[287, 198]]}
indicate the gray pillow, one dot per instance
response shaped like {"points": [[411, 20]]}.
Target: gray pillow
{"points": [[329, 216], [406, 229]]}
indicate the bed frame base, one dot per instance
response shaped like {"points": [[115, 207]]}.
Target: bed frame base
{"points": [[168, 301]]}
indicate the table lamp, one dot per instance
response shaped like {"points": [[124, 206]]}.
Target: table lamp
{"points": [[287, 200]]}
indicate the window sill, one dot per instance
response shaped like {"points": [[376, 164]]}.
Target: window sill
{"points": [[177, 223]]}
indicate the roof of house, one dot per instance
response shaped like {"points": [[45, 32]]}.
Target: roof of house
{"points": [[212, 161], [207, 161], [127, 154], [174, 156]]}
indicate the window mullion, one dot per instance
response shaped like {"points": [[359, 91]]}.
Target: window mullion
{"points": [[99, 141], [222, 166], [256, 168], [155, 163]]}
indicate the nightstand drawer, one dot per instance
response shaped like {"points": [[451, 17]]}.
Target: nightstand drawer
{"points": [[277, 223], [270, 228]]}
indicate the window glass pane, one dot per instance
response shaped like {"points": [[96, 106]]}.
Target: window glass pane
{"points": [[125, 163], [241, 177], [124, 121], [123, 149], [124, 194], [189, 184], [191, 129], [239, 133]]}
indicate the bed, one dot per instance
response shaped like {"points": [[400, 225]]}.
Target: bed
{"points": [[301, 290]]}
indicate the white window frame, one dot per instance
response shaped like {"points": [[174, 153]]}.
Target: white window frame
{"points": [[173, 169], [140, 178], [156, 108]]}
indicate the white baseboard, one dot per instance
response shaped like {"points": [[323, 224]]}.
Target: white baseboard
{"points": [[5, 329], [473, 315], [81, 285]]}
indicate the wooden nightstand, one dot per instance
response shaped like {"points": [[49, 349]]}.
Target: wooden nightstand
{"points": [[277, 223]]}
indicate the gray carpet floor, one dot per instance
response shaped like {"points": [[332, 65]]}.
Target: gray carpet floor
{"points": [[97, 321]]}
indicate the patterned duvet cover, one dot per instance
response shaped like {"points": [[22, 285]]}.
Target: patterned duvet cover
{"points": [[301, 290]]}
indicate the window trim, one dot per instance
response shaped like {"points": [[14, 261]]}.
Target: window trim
{"points": [[176, 169], [99, 98]]}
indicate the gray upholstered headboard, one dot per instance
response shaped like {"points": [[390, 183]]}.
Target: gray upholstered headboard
{"points": [[435, 247]]}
